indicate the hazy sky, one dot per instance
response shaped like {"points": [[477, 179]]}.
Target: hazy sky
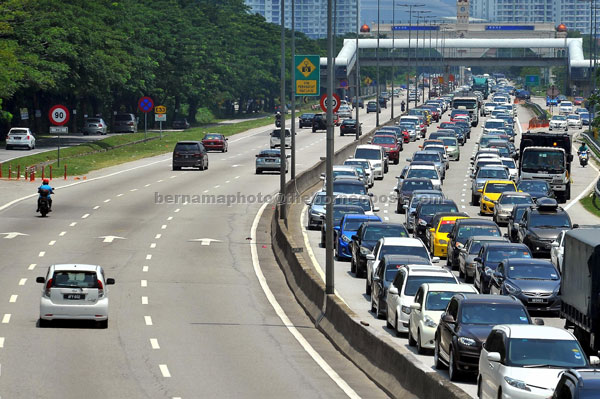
{"points": [[437, 8]]}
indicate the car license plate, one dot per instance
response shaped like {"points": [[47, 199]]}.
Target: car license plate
{"points": [[270, 160], [186, 156], [74, 297], [537, 300], [16, 138]]}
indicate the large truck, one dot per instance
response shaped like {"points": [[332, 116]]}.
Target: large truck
{"points": [[580, 286], [481, 84], [470, 104], [547, 156]]}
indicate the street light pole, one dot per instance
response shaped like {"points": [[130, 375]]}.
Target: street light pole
{"points": [[357, 94], [293, 76], [329, 264], [283, 160], [377, 78], [420, 14], [393, 50], [410, 7]]}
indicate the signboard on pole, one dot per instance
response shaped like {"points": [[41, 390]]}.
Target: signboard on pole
{"points": [[336, 102], [145, 104], [308, 75], [24, 114], [160, 117], [59, 129], [435, 81], [59, 115], [552, 92], [532, 80]]}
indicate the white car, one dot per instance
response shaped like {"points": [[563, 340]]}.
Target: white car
{"points": [[559, 122], [565, 107], [430, 302], [524, 361], [275, 140], [367, 167], [376, 155], [401, 293], [557, 251], [74, 292], [575, 121], [344, 112], [493, 124], [487, 108], [513, 170], [426, 172], [20, 137]]}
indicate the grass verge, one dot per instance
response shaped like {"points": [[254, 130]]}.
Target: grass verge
{"points": [[591, 204]]}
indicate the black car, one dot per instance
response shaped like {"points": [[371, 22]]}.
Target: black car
{"points": [[465, 325], [349, 126], [537, 188], [383, 102], [372, 106], [541, 224], [515, 217], [467, 255], [578, 384], [536, 282], [181, 124], [386, 272], [435, 221], [190, 154], [365, 239], [349, 186], [425, 212], [319, 122], [490, 255], [338, 213], [408, 186], [466, 126], [462, 230], [306, 120]]}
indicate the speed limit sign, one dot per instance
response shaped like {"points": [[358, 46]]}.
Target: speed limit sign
{"points": [[59, 115], [435, 81]]}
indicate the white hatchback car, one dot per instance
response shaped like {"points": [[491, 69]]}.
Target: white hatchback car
{"points": [[20, 137], [574, 120], [430, 302], [74, 292], [525, 361]]}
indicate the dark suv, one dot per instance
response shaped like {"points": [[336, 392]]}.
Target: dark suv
{"points": [[462, 230], [465, 325], [578, 384], [365, 239], [319, 122], [190, 154], [306, 120], [425, 212], [490, 255]]}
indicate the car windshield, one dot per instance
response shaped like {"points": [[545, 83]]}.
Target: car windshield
{"points": [[545, 353], [419, 251], [559, 118], [364, 203], [349, 122], [186, 147], [499, 187], [552, 220], [515, 199], [475, 247], [383, 140], [338, 214], [320, 199], [416, 199], [93, 120], [509, 163], [437, 300], [417, 185], [450, 142], [566, 104], [414, 282], [489, 314], [497, 255], [422, 173], [75, 279], [534, 185], [353, 224], [494, 124], [492, 173], [368, 153], [426, 157], [341, 173], [533, 272], [432, 209], [473, 230], [307, 116], [407, 126], [345, 188], [374, 233], [584, 115]]}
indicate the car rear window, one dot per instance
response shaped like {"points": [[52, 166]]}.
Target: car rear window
{"points": [[93, 120], [212, 137], [74, 279], [345, 188], [374, 233], [186, 147], [18, 131], [414, 282], [124, 117]]}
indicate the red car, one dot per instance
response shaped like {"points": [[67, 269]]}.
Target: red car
{"points": [[215, 141], [390, 145], [578, 100]]}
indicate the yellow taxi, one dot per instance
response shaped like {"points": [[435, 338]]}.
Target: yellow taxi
{"points": [[438, 242], [491, 192]]}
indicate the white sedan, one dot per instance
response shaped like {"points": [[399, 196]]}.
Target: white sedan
{"points": [[574, 120], [20, 137], [559, 122]]}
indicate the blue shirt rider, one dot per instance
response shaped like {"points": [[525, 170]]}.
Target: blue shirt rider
{"points": [[45, 186]]}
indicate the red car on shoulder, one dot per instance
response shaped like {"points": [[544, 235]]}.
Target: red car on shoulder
{"points": [[215, 142], [390, 145]]}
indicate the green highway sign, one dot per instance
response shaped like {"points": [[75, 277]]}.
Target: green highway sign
{"points": [[532, 80], [308, 75]]}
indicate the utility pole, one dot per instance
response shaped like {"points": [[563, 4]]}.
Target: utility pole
{"points": [[357, 94], [283, 159], [377, 78], [410, 7], [293, 77], [329, 264]]}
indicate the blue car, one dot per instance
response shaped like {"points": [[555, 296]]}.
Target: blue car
{"points": [[551, 101], [585, 118], [346, 229]]}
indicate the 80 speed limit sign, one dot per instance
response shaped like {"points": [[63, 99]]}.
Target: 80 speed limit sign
{"points": [[59, 115]]}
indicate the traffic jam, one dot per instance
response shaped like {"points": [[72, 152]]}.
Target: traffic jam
{"points": [[450, 227]]}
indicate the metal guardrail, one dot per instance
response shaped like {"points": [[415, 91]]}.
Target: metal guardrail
{"points": [[596, 147], [540, 113]]}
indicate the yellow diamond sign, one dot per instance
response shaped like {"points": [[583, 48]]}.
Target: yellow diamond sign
{"points": [[306, 67]]}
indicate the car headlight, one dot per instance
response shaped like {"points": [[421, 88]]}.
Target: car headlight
{"points": [[516, 383], [486, 198], [488, 271], [511, 289], [364, 251], [480, 186], [406, 309], [346, 239], [443, 242], [429, 322], [422, 222], [466, 341]]}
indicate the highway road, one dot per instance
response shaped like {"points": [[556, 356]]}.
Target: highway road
{"points": [[188, 315], [457, 186]]}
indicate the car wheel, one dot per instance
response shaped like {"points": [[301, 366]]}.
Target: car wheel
{"points": [[7, 147], [44, 323], [367, 287], [380, 314], [103, 324], [460, 272], [420, 349], [500, 393], [482, 287], [411, 340], [396, 327], [436, 356], [258, 171], [353, 267], [373, 310], [479, 388], [453, 372]]}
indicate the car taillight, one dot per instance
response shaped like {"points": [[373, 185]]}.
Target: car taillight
{"points": [[196, 155], [28, 137], [100, 289], [130, 123], [99, 124], [177, 154], [48, 285]]}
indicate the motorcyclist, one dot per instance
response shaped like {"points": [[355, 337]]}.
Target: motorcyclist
{"points": [[402, 105], [278, 119], [45, 187], [582, 148]]}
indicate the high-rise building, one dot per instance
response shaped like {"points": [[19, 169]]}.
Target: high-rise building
{"points": [[311, 15]]}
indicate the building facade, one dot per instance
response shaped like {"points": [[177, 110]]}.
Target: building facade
{"points": [[310, 15]]}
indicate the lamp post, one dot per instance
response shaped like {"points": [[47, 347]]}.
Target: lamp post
{"points": [[393, 49], [357, 94], [293, 77], [419, 13], [282, 209], [410, 8], [329, 264], [377, 55]]}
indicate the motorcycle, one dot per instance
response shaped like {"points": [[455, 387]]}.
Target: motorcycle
{"points": [[277, 120], [583, 158], [44, 203]]}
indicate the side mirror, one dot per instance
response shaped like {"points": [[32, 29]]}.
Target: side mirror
{"points": [[415, 306], [110, 281], [517, 225], [575, 226], [493, 357], [432, 230], [393, 290], [435, 259], [538, 322], [322, 178], [554, 244], [40, 280], [405, 206], [498, 275], [370, 257], [477, 259], [376, 209], [307, 202], [448, 319], [594, 360], [376, 278], [354, 237], [505, 235]]}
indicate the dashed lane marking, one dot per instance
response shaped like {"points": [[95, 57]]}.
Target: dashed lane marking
{"points": [[133, 189], [153, 245], [148, 320], [62, 233], [32, 266], [22, 281], [164, 370], [205, 191], [1, 342], [217, 186], [160, 181], [13, 298], [149, 256], [107, 200], [73, 224], [156, 237], [6, 318], [144, 300], [144, 283], [145, 269], [163, 227], [170, 218], [147, 185], [154, 343], [177, 210], [51, 243], [96, 207], [120, 195], [386, 218], [85, 216], [41, 254]]}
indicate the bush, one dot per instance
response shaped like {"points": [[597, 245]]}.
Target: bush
{"points": [[204, 116]]}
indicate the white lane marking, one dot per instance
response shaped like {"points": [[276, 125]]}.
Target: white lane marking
{"points": [[144, 300], [96, 207], [144, 283], [133, 189], [149, 256], [205, 191], [234, 166], [72, 224], [51, 243], [22, 281], [386, 218], [227, 181], [584, 192], [6, 318], [145, 269], [170, 218], [462, 206], [237, 177], [62, 233], [85, 216], [217, 186], [160, 181], [32, 266], [285, 320], [41, 254], [385, 211], [156, 237], [386, 204], [178, 209], [107, 200], [463, 194], [147, 185], [154, 343], [1, 342], [120, 195], [163, 227], [153, 245], [172, 177], [13, 298], [164, 370], [148, 320]]}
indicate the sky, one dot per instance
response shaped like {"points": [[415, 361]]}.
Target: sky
{"points": [[437, 8]]}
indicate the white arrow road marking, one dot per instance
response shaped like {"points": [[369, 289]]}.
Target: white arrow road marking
{"points": [[112, 238], [13, 234], [204, 241]]}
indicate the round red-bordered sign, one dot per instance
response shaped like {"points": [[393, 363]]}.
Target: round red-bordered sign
{"points": [[336, 102], [59, 115], [146, 104]]}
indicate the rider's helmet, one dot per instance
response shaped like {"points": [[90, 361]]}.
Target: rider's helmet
{"points": [[45, 181]]}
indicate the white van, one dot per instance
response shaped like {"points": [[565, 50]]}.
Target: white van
{"points": [[376, 155], [276, 138]]}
